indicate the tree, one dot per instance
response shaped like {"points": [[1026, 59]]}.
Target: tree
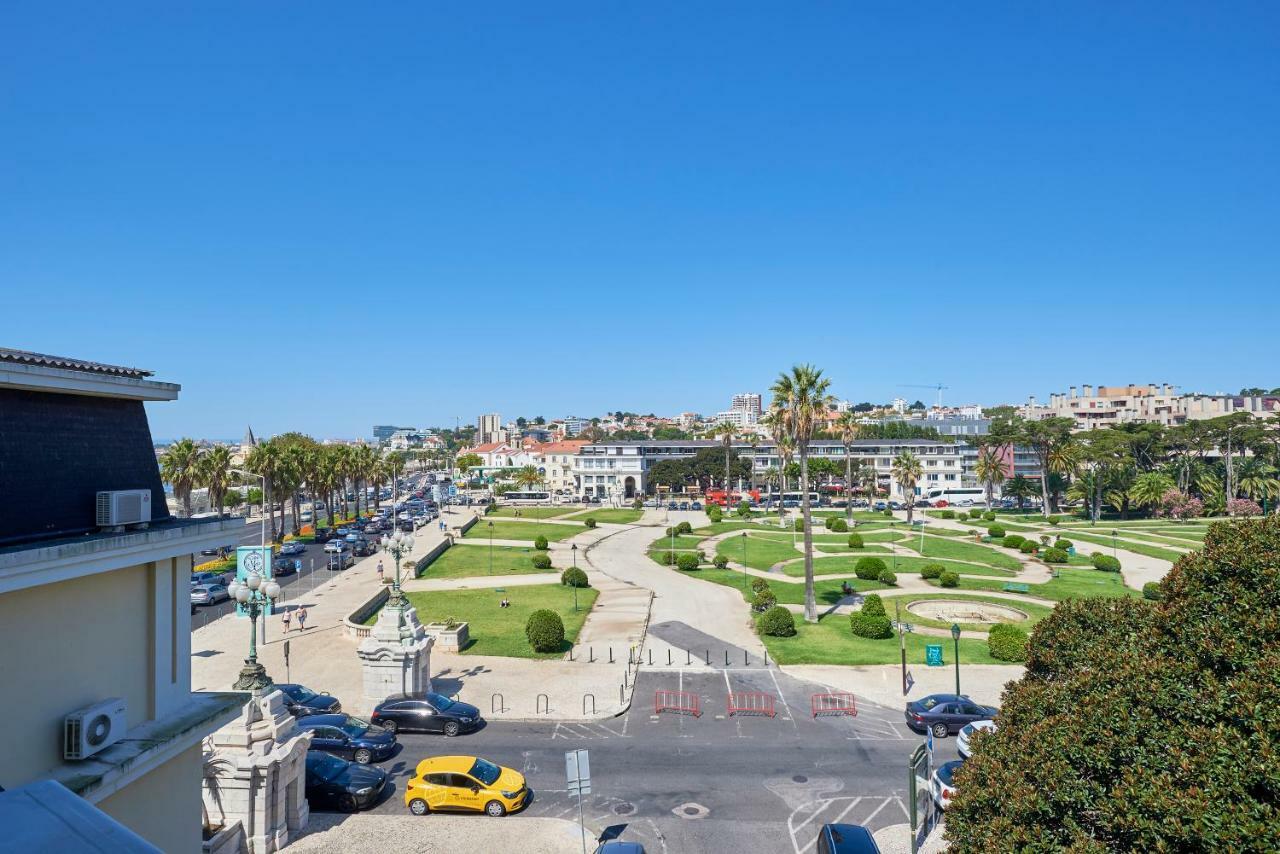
{"points": [[527, 476], [669, 433], [1050, 441], [726, 432], [266, 459], [215, 474], [1258, 480], [848, 427], [989, 470], [919, 404], [180, 468], [466, 462], [1149, 487], [1020, 489], [799, 397], [907, 471], [673, 474], [1174, 752]]}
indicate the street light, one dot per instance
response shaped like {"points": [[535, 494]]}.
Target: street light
{"points": [[955, 635], [398, 545], [256, 595], [574, 549], [744, 559], [491, 547]]}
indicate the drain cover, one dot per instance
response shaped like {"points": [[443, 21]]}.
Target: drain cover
{"points": [[691, 811], [799, 778], [624, 809]]}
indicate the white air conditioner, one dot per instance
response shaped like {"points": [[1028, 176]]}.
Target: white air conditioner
{"points": [[92, 729], [124, 507]]}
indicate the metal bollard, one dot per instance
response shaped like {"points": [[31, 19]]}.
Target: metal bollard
{"points": [[651, 656], [746, 662], [591, 651], [726, 658], [708, 656], [688, 657], [668, 656], [611, 655]]}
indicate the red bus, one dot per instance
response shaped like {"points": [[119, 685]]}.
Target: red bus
{"points": [[716, 496]]}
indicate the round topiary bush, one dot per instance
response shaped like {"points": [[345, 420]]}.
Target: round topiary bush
{"points": [[545, 631], [988, 516], [1063, 544], [947, 514], [871, 621], [932, 570], [1013, 541], [758, 584], [1054, 555], [855, 541], [887, 512], [714, 513], [949, 579], [541, 561], [1029, 548], [720, 562], [667, 558], [869, 568], [1151, 591], [975, 513], [591, 523], [574, 577], [687, 561], [669, 532], [778, 622], [763, 600], [1054, 520], [839, 526], [887, 577], [1007, 642], [996, 532], [1106, 563], [799, 525], [541, 543], [684, 528]]}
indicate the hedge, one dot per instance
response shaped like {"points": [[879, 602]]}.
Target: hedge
{"points": [[541, 543], [541, 561], [868, 568], [574, 577], [1013, 541], [1007, 642], [778, 622], [687, 562], [545, 630], [996, 532], [949, 579], [1064, 544], [855, 541], [932, 570], [1054, 555], [1029, 548], [1106, 563]]}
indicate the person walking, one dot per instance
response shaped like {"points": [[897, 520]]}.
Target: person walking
{"points": [[379, 572], [302, 619], [285, 619]]}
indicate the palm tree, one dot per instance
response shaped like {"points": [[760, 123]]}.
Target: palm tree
{"points": [[990, 470], [328, 467], [907, 471], [527, 476], [726, 432], [799, 397], [215, 474], [213, 769], [366, 461], [266, 460], [1020, 488], [1258, 480], [870, 481], [1149, 487], [847, 425], [180, 468]]}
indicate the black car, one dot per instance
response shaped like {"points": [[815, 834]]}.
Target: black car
{"points": [[363, 548], [341, 560], [349, 738], [283, 566], [301, 701], [406, 525], [946, 714], [425, 713], [323, 535], [334, 783], [846, 839]]}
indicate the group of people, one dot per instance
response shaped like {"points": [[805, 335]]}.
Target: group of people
{"points": [[302, 618]]}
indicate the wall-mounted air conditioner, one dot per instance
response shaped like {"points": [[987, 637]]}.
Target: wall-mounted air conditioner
{"points": [[124, 507], [93, 728]]}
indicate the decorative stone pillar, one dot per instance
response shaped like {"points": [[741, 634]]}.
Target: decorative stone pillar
{"points": [[255, 772], [396, 656]]}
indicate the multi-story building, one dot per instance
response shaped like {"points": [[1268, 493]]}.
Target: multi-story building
{"points": [[1156, 403], [383, 432], [489, 428], [98, 615], [573, 426], [747, 402], [687, 420], [743, 419], [555, 463]]}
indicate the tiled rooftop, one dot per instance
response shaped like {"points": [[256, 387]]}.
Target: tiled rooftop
{"points": [[23, 357]]}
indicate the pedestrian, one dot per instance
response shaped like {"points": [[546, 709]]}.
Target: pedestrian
{"points": [[302, 618], [285, 618], [379, 570]]}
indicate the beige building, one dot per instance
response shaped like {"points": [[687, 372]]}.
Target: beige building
{"points": [[98, 617], [1159, 403]]}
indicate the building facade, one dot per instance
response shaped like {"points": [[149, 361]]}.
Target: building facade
{"points": [[1155, 403], [489, 428]]}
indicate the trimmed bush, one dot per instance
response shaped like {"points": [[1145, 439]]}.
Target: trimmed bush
{"points": [[778, 622], [744, 508], [1151, 591], [932, 570], [949, 579], [720, 562], [869, 568], [839, 526], [1007, 642], [1029, 548], [947, 514], [591, 522], [1054, 520], [975, 513], [540, 543], [855, 541], [667, 558], [1054, 555], [687, 562], [1063, 544], [545, 631], [996, 532], [574, 577], [758, 584], [1106, 563], [988, 516], [873, 605], [871, 621], [715, 514], [887, 512], [638, 504], [763, 600], [799, 525], [1013, 541], [887, 577], [669, 532], [684, 528], [541, 561]]}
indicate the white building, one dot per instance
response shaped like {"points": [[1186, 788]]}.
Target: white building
{"points": [[573, 426], [489, 428], [747, 402], [1155, 403]]}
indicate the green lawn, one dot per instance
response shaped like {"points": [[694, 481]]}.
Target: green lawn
{"points": [[723, 527], [678, 542], [616, 516], [1162, 539], [972, 552], [461, 561], [826, 592], [759, 553], [845, 563], [1035, 613], [1071, 584], [830, 641], [500, 631], [532, 512], [1136, 548], [1195, 535], [509, 529], [845, 550]]}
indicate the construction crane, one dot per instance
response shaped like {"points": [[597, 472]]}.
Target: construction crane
{"points": [[938, 387]]}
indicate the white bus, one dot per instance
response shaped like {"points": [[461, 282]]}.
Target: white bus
{"points": [[956, 496], [526, 497], [792, 499]]}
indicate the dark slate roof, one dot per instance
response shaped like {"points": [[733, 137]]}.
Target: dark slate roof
{"points": [[23, 357]]}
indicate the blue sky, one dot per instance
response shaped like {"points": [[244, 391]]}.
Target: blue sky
{"points": [[326, 215]]}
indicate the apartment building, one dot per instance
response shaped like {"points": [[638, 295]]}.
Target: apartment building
{"points": [[489, 428], [1155, 403]]}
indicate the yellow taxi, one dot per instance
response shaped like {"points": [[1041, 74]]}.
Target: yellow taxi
{"points": [[465, 784]]}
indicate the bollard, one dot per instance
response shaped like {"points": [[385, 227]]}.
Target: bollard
{"points": [[688, 657], [571, 653], [746, 662], [611, 655], [668, 656], [651, 656], [622, 695], [591, 651], [766, 657], [726, 658], [708, 655]]}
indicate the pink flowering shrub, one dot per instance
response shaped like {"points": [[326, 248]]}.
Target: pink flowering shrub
{"points": [[1176, 504], [1243, 507]]}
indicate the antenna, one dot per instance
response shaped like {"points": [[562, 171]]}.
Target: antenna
{"points": [[938, 387]]}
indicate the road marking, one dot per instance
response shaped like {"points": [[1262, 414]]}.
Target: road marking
{"points": [[874, 813], [737, 721], [778, 688]]}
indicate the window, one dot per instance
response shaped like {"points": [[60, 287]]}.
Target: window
{"points": [[437, 779]]}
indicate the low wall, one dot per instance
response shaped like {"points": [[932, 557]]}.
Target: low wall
{"points": [[354, 625]]}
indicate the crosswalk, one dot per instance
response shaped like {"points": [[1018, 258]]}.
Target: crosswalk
{"points": [[870, 811]]}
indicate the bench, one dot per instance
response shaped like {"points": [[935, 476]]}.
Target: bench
{"points": [[1016, 588]]}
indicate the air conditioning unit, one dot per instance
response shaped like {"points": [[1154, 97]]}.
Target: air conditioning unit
{"points": [[124, 507], [92, 729]]}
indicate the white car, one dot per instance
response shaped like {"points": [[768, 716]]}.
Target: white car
{"points": [[335, 546], [942, 784], [966, 733]]}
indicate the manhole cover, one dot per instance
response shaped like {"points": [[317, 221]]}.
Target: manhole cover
{"points": [[624, 809], [799, 778], [691, 811]]}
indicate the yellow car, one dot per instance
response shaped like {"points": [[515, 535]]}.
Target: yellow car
{"points": [[465, 784]]}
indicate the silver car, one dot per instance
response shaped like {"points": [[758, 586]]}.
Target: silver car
{"points": [[208, 594]]}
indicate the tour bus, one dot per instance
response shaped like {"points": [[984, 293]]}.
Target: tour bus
{"points": [[526, 497], [792, 499], [716, 496], [960, 496]]}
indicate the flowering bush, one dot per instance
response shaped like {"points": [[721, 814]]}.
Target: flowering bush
{"points": [[1176, 504], [1243, 507]]}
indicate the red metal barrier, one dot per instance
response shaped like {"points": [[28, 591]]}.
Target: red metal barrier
{"points": [[750, 703], [684, 702], [833, 704]]}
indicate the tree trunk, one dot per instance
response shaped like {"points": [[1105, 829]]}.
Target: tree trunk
{"points": [[810, 603], [848, 480], [1044, 483]]}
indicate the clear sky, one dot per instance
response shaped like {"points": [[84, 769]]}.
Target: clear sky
{"points": [[326, 215]]}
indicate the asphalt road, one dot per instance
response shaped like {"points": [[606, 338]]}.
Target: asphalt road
{"points": [[678, 783]]}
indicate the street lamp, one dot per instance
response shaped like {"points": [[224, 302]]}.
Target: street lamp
{"points": [[744, 559], [574, 549], [491, 547], [955, 635], [398, 545], [256, 594]]}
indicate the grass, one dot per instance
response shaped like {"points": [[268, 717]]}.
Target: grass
{"points": [[759, 553], [1136, 548], [500, 631], [868, 536], [788, 593], [532, 512], [1035, 613], [845, 563], [505, 529], [1160, 539], [972, 552], [1071, 584], [1190, 534], [845, 550], [724, 527], [829, 641], [611, 515], [681, 541], [467, 561]]}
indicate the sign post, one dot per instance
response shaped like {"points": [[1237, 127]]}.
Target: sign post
{"points": [[933, 655], [577, 770]]}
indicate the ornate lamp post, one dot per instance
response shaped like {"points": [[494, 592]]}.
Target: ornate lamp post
{"points": [[257, 595], [574, 549], [955, 636], [398, 545]]}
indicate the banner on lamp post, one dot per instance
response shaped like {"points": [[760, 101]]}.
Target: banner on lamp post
{"points": [[251, 560]]}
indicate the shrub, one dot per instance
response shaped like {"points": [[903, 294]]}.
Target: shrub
{"points": [[949, 579], [744, 508], [758, 584], [1054, 554], [720, 562], [1054, 520], [995, 532], [1007, 642], [988, 516], [887, 577], [687, 562], [871, 621], [669, 532], [947, 514], [684, 528], [932, 570], [799, 525], [1151, 591], [638, 504], [887, 512], [545, 631], [540, 543], [839, 525], [763, 600], [778, 622], [590, 522], [574, 577], [1044, 540], [541, 561], [1013, 541], [1106, 563], [1029, 548], [667, 557], [868, 568], [855, 541], [715, 514], [1063, 544]]}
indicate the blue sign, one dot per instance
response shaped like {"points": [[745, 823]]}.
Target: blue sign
{"points": [[933, 654], [252, 560]]}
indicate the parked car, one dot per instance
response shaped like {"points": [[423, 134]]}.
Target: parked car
{"points": [[342, 532], [282, 566], [348, 737], [302, 702], [334, 783], [202, 578], [406, 525], [966, 733], [373, 528], [465, 784], [292, 549], [671, 505], [363, 548], [846, 839], [684, 505], [209, 594], [341, 560], [322, 535], [617, 846], [942, 784], [695, 505], [335, 546], [945, 714], [880, 506], [425, 713], [216, 551]]}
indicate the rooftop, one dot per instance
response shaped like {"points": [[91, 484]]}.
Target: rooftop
{"points": [[24, 357]]}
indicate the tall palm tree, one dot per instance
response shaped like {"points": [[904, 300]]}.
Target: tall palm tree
{"points": [[990, 470], [726, 433], [1258, 480], [266, 459], [907, 471], [1149, 487], [799, 398], [328, 475], [847, 425], [180, 468], [786, 453], [527, 476], [366, 461], [215, 474], [1020, 488]]}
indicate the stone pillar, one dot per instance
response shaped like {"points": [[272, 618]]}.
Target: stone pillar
{"points": [[255, 772], [396, 656]]}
